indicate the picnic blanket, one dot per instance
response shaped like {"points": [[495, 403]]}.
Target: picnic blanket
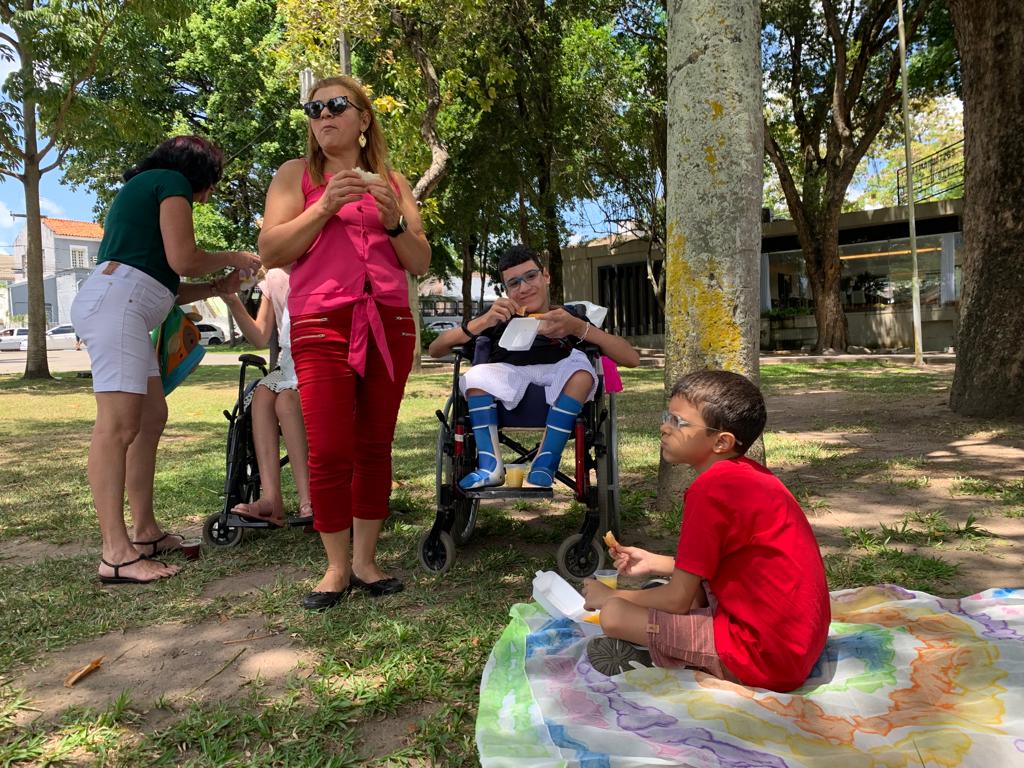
{"points": [[906, 679]]}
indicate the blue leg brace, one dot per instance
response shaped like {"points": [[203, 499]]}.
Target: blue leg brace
{"points": [[483, 417], [561, 423]]}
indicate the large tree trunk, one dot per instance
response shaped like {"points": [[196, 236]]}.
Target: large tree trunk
{"points": [[989, 377], [36, 364], [824, 269], [715, 147]]}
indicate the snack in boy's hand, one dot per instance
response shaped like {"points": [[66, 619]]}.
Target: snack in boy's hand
{"points": [[367, 175], [610, 542]]}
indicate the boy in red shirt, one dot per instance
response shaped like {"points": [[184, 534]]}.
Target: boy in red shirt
{"points": [[747, 599]]}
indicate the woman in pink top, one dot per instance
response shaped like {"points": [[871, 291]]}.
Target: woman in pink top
{"points": [[348, 225]]}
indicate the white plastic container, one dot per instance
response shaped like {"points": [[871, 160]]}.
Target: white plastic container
{"points": [[558, 597], [519, 334]]}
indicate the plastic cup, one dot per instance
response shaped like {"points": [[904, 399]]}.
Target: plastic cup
{"points": [[610, 578], [515, 474], [191, 549]]}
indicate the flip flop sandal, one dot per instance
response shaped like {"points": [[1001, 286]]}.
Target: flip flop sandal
{"points": [[157, 550], [305, 516], [117, 578]]}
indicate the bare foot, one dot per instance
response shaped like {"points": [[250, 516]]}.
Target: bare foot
{"points": [[138, 570], [261, 509], [305, 512], [157, 543]]}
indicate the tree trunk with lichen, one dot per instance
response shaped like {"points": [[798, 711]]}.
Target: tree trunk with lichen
{"points": [[715, 155]]}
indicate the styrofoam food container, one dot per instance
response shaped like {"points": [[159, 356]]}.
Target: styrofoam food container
{"points": [[519, 334], [560, 599]]}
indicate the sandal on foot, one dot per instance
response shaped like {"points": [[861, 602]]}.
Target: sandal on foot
{"points": [[157, 549], [117, 578], [305, 516], [258, 511]]}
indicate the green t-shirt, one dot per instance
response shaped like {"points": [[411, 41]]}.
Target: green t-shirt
{"points": [[131, 233]]}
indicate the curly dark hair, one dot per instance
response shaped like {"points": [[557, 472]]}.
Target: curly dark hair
{"points": [[516, 255], [727, 401], [197, 159]]}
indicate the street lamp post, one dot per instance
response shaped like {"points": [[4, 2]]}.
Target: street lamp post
{"points": [[915, 283]]}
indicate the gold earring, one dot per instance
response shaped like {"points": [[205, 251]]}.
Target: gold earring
{"points": [[362, 140]]}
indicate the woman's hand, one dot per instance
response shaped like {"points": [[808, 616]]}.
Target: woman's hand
{"points": [[229, 285], [246, 261], [387, 202], [595, 594], [501, 311], [634, 561], [343, 188], [557, 324]]}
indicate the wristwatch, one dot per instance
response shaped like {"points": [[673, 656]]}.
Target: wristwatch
{"points": [[399, 228]]}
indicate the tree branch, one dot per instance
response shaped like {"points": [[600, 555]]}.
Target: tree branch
{"points": [[62, 152], [13, 42], [785, 179], [12, 174]]}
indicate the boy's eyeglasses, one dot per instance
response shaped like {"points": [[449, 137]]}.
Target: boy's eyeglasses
{"points": [[678, 422], [529, 276], [336, 106]]}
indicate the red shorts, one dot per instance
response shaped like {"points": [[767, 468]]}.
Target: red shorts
{"points": [[686, 639]]}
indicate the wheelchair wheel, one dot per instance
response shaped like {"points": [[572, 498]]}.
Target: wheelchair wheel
{"points": [[464, 510], [437, 556], [217, 535], [571, 565]]}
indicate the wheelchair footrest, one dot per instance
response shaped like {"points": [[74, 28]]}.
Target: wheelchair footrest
{"points": [[509, 493]]}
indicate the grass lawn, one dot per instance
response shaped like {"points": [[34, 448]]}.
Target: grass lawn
{"points": [[394, 681]]}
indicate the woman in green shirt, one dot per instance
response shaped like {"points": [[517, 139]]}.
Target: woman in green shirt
{"points": [[148, 244]]}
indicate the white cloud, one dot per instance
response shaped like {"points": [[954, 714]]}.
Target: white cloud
{"points": [[50, 208], [6, 220]]}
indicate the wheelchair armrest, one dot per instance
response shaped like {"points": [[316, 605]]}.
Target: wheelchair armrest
{"points": [[252, 360]]}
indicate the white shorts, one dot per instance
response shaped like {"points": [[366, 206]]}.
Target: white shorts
{"points": [[113, 314], [508, 383]]}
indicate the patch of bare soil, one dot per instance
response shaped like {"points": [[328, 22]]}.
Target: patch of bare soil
{"points": [[388, 734], [252, 581], [912, 462], [173, 664], [23, 551]]}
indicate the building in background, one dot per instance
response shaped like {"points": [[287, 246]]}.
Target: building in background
{"points": [[874, 249]]}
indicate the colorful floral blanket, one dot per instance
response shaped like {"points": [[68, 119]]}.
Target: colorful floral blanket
{"points": [[906, 679]]}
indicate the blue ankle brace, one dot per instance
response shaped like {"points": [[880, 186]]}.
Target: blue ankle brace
{"points": [[483, 417], [560, 424]]}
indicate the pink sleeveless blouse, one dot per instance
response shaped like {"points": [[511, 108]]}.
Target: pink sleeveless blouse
{"points": [[351, 262]]}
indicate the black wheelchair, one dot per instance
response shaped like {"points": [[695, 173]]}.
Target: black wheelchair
{"points": [[242, 473], [594, 482]]}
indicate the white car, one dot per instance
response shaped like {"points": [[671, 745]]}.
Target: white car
{"points": [[210, 335], [61, 337], [441, 325], [11, 338]]}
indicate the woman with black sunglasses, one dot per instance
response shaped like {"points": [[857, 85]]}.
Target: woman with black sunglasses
{"points": [[348, 225]]}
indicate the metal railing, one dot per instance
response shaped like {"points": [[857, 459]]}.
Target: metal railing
{"points": [[934, 175]]}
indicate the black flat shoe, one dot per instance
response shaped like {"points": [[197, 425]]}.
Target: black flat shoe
{"points": [[389, 586], [321, 601]]}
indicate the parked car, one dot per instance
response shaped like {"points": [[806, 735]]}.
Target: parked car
{"points": [[441, 325], [11, 338], [210, 335], [60, 337]]}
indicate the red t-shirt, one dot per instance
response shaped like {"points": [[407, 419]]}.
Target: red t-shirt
{"points": [[747, 536]]}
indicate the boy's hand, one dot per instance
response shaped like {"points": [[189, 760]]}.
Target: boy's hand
{"points": [[557, 324], [595, 594], [501, 311], [634, 561]]}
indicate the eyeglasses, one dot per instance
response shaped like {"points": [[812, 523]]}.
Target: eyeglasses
{"points": [[678, 422], [336, 106], [529, 276]]}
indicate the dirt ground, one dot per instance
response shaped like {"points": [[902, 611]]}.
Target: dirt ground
{"points": [[893, 456]]}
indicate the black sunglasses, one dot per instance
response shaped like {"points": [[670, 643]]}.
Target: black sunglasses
{"points": [[336, 106]]}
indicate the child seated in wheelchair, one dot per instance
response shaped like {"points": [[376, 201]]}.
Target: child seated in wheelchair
{"points": [[275, 402], [554, 361]]}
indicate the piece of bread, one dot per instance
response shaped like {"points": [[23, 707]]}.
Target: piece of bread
{"points": [[367, 175], [609, 540]]}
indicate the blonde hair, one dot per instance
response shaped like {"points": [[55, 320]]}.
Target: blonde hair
{"points": [[373, 157]]}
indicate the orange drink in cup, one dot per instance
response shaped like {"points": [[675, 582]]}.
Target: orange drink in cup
{"points": [[608, 577], [515, 474]]}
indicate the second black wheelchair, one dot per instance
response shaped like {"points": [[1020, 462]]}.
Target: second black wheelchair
{"points": [[593, 482], [242, 472]]}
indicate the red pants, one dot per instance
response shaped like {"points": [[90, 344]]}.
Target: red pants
{"points": [[350, 419]]}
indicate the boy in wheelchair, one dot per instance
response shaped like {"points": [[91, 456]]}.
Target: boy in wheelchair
{"points": [[553, 362]]}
